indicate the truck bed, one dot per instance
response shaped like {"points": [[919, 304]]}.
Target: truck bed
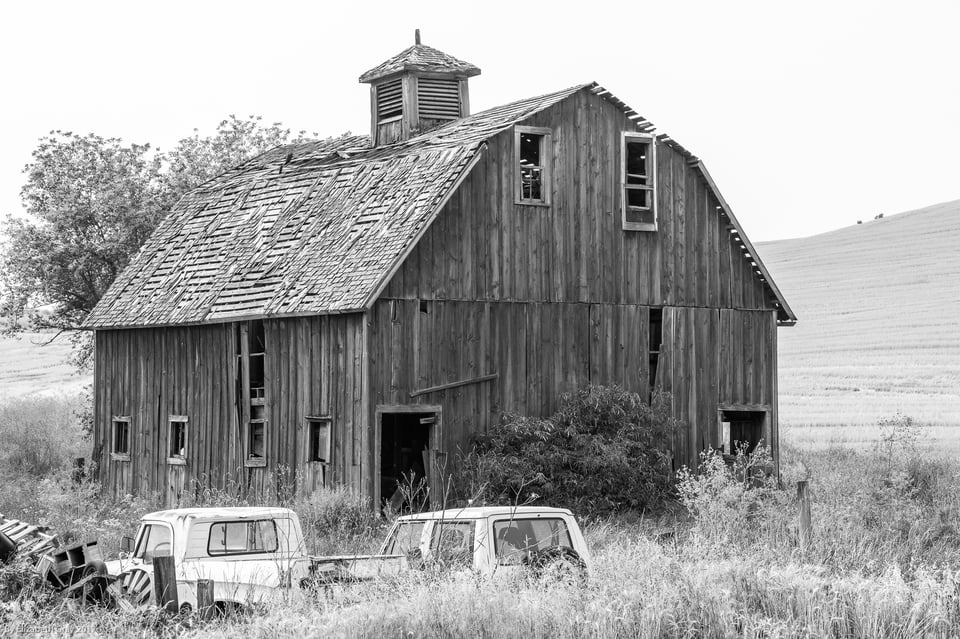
{"points": [[346, 568]]}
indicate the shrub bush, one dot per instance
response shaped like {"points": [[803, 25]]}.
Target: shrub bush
{"points": [[733, 505], [604, 450]]}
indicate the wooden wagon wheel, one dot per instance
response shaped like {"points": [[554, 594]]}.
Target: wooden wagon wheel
{"points": [[136, 585]]}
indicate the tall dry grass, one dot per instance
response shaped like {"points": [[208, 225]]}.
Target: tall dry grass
{"points": [[884, 562]]}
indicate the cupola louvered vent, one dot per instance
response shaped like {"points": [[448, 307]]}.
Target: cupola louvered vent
{"points": [[416, 91], [389, 100], [438, 98]]}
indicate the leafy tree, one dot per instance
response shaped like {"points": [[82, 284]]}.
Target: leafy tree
{"points": [[91, 202], [197, 159], [603, 450]]}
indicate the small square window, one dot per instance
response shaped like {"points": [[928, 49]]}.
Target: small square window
{"points": [[120, 446], [177, 440], [318, 449], [639, 182], [532, 151]]}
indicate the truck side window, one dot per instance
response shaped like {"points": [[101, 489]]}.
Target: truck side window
{"points": [[155, 540], [514, 538], [242, 537], [452, 542], [406, 538]]}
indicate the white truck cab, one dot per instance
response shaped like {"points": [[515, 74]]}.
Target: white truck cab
{"points": [[247, 552], [490, 539]]}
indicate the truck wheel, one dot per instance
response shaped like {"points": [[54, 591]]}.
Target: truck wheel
{"points": [[94, 589], [136, 585], [558, 563]]}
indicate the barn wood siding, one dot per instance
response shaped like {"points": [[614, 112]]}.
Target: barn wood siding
{"points": [[152, 374], [314, 367], [712, 359], [483, 246], [537, 351]]}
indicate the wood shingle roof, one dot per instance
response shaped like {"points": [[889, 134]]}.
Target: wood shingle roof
{"points": [[303, 229], [317, 228], [420, 57]]}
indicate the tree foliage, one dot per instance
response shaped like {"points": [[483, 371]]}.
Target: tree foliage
{"points": [[603, 450], [91, 202]]}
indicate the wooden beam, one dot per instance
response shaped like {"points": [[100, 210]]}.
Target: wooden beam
{"points": [[462, 382]]}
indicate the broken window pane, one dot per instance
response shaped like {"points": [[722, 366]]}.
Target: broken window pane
{"points": [[638, 198], [532, 150], [639, 182], [637, 162]]}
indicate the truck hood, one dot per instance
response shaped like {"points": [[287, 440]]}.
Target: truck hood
{"points": [[117, 566]]}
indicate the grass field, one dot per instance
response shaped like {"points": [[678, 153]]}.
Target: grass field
{"points": [[33, 365], [884, 561], [879, 329]]}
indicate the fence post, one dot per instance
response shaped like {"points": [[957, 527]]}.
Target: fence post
{"points": [[165, 583], [205, 598], [805, 528]]}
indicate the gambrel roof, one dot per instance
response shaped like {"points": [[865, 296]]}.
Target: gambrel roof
{"points": [[314, 228]]}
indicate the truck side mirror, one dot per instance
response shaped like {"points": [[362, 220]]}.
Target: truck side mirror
{"points": [[126, 544]]}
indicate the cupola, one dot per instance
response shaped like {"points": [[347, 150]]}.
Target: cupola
{"points": [[415, 90]]}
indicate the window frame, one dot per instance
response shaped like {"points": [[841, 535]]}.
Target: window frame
{"points": [[498, 553], [248, 522], [546, 157], [177, 459], [143, 538], [254, 399], [251, 460], [319, 420], [116, 455], [650, 140]]}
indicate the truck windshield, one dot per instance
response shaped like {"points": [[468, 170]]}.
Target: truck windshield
{"points": [[405, 538], [154, 540]]}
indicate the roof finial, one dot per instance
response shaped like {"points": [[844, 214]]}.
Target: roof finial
{"points": [[416, 36]]}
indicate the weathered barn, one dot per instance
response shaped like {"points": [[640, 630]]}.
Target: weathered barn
{"points": [[351, 310]]}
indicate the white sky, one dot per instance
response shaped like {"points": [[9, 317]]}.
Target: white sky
{"points": [[810, 115]]}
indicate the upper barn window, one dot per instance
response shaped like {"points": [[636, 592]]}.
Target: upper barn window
{"points": [[639, 180], [532, 165]]}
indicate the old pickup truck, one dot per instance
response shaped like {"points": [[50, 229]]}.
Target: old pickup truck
{"points": [[250, 552]]}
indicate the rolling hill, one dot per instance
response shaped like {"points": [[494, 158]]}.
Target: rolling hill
{"points": [[879, 311], [32, 366]]}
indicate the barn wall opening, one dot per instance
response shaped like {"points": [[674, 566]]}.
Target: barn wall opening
{"points": [[656, 340], [741, 429], [404, 449]]}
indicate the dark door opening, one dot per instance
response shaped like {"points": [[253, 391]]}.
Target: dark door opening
{"points": [[404, 438], [741, 429]]}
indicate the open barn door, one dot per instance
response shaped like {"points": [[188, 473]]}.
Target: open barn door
{"points": [[410, 465]]}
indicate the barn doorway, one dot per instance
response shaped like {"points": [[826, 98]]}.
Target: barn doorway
{"points": [[406, 439], [741, 429]]}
